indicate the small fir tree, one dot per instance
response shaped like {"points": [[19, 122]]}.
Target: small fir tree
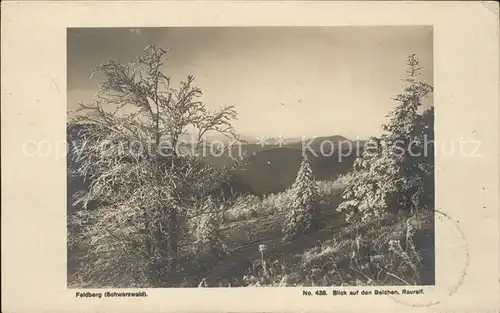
{"points": [[303, 203]]}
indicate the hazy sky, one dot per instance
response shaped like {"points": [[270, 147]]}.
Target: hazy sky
{"points": [[344, 77]]}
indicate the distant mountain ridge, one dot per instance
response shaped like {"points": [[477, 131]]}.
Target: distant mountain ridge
{"points": [[325, 146], [270, 140]]}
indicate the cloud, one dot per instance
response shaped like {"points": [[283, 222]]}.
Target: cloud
{"points": [[136, 31]]}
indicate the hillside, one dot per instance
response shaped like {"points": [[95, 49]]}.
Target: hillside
{"points": [[321, 258], [333, 254]]}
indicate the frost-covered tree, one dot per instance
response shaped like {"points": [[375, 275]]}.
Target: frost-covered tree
{"points": [[396, 171], [207, 235], [303, 202], [143, 178]]}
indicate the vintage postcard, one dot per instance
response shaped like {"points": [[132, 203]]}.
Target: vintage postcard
{"points": [[249, 156]]}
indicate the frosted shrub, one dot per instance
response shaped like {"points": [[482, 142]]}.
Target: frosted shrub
{"points": [[208, 237], [244, 207], [277, 202]]}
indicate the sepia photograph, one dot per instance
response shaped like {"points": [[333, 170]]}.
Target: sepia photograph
{"points": [[250, 157]]}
